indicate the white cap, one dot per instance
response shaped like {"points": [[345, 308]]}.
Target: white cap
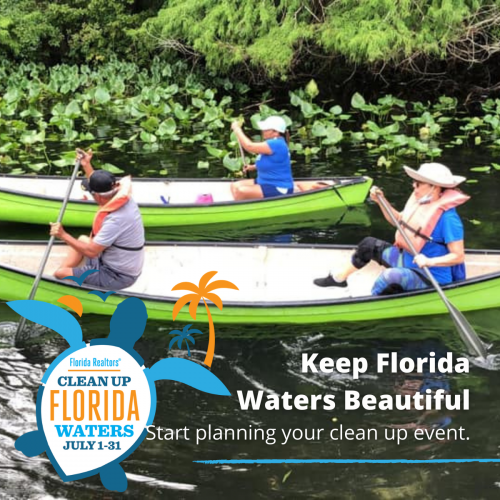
{"points": [[436, 174], [273, 123]]}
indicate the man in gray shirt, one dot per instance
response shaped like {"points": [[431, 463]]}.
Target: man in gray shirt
{"points": [[116, 248]]}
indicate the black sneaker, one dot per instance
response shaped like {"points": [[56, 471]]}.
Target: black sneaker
{"points": [[330, 281]]}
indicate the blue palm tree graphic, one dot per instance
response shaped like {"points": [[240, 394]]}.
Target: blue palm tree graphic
{"points": [[181, 336]]}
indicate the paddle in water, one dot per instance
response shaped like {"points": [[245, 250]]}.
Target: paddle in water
{"points": [[46, 254], [467, 333]]}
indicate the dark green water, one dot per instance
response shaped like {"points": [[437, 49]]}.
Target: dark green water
{"points": [[252, 358]]}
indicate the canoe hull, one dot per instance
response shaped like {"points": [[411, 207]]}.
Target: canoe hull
{"points": [[476, 294], [19, 207]]}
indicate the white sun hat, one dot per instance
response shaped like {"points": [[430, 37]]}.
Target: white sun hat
{"points": [[436, 174], [273, 123]]}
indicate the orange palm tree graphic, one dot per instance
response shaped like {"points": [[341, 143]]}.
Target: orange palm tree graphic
{"points": [[202, 291]]}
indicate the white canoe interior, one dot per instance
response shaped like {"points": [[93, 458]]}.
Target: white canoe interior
{"points": [[262, 273], [155, 191]]}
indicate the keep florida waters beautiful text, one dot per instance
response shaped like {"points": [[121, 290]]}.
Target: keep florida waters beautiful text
{"points": [[353, 400]]}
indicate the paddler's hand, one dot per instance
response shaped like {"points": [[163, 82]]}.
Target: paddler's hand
{"points": [[235, 126], [57, 230], [249, 168], [375, 191], [85, 157], [422, 261]]}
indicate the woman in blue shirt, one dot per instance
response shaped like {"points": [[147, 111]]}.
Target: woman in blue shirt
{"points": [[442, 252], [274, 170]]}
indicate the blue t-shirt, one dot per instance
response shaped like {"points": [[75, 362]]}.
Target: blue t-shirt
{"points": [[275, 169], [448, 229]]}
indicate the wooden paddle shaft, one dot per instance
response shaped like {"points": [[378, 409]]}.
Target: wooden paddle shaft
{"points": [[46, 254]]}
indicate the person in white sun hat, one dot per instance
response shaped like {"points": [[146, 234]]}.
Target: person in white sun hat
{"points": [[433, 225], [273, 165]]}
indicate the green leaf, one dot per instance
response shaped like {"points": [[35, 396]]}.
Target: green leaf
{"points": [[218, 153], [36, 167], [111, 168], [147, 137], [232, 164], [63, 162], [118, 143], [480, 169], [102, 95], [475, 222], [180, 113], [371, 136], [32, 137], [87, 136], [211, 114], [167, 127], [357, 101], [333, 135], [496, 166], [72, 109], [335, 110], [203, 165], [286, 476], [318, 129], [198, 103], [151, 124]]}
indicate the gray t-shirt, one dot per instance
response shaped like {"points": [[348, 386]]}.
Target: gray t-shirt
{"points": [[124, 228]]}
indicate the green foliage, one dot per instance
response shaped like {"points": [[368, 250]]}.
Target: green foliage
{"points": [[273, 36], [264, 33], [71, 30], [387, 31]]}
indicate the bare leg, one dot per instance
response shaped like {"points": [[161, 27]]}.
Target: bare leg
{"points": [[246, 190], [344, 273], [72, 259], [237, 184]]}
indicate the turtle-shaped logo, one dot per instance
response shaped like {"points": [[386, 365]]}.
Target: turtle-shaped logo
{"points": [[97, 399]]}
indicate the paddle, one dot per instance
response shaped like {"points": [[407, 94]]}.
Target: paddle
{"points": [[246, 173], [467, 333], [45, 257]]}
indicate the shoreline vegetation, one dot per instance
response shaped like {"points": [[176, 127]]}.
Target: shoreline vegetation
{"points": [[166, 107], [396, 80], [401, 48]]}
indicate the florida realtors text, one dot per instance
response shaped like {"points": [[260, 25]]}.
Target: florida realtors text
{"points": [[429, 400]]}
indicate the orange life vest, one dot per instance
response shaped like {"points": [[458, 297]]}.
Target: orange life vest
{"points": [[419, 220], [119, 199]]}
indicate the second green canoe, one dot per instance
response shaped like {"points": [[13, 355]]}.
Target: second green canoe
{"points": [[172, 202]]}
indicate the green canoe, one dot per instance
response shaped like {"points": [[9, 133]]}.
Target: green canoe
{"points": [[172, 202], [274, 282]]}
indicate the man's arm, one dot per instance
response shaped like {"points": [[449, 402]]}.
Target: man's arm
{"points": [[90, 249]]}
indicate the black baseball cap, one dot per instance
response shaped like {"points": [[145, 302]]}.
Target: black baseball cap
{"points": [[101, 181]]}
